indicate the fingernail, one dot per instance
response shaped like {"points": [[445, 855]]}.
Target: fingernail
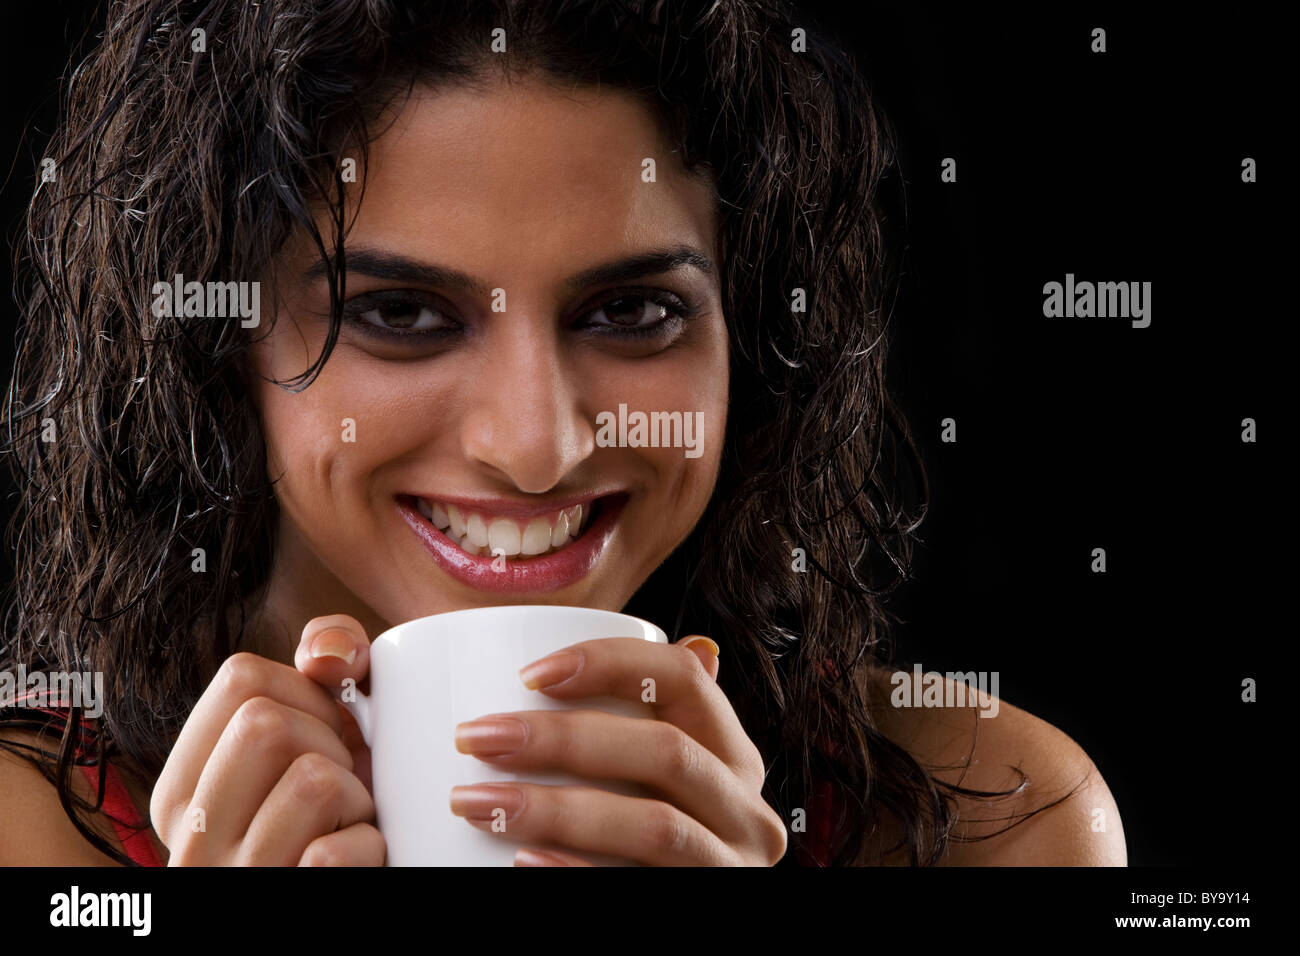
{"points": [[481, 802], [491, 737], [334, 642], [537, 858], [558, 667], [709, 642]]}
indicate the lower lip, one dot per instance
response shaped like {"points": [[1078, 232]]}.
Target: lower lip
{"points": [[521, 576]]}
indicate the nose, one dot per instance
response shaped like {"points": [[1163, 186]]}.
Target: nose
{"points": [[528, 423]]}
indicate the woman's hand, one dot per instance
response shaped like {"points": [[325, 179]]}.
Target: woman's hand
{"points": [[269, 769], [696, 758]]}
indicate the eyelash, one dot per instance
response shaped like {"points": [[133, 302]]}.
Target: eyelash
{"points": [[679, 311]]}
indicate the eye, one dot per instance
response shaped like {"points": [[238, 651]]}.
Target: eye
{"points": [[398, 315], [639, 313]]}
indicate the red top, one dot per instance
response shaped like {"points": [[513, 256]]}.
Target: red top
{"points": [[822, 811], [128, 822], [825, 804]]}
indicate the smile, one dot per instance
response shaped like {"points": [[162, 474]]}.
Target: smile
{"points": [[504, 547], [485, 534]]}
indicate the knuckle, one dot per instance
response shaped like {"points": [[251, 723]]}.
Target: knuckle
{"points": [[544, 809], [241, 675], [754, 767], [691, 663], [666, 830], [324, 851], [261, 719], [697, 681], [776, 835], [314, 779], [362, 847], [376, 845], [560, 731], [676, 750]]}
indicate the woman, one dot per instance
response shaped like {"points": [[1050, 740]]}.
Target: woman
{"points": [[554, 213]]}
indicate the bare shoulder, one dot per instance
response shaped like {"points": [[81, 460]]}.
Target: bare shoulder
{"points": [[1065, 814], [34, 830]]}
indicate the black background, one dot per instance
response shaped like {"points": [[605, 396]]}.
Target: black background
{"points": [[1072, 434]]}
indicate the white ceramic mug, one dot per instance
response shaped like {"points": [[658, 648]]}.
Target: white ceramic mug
{"points": [[430, 674]]}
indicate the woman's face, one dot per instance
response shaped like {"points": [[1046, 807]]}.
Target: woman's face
{"points": [[518, 296]]}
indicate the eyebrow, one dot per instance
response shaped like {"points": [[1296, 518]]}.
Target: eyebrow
{"points": [[380, 264]]}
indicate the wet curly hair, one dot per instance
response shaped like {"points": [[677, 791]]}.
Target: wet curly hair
{"points": [[170, 160]]}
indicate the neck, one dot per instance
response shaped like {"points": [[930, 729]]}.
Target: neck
{"points": [[299, 589]]}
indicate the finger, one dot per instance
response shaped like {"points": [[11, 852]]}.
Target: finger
{"points": [[240, 678], [261, 742], [315, 797], [706, 649], [332, 649], [593, 821], [358, 845], [536, 856], [684, 693], [597, 745]]}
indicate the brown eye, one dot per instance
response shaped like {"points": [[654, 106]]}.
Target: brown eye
{"points": [[639, 314], [409, 317], [634, 311], [398, 315]]}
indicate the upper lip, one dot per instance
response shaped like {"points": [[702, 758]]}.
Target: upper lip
{"points": [[513, 508]]}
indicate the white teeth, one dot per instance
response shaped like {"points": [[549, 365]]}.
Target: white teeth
{"points": [[477, 531], [561, 533], [503, 535], [537, 536], [457, 521]]}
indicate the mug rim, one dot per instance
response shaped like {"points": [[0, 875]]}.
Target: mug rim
{"points": [[389, 636]]}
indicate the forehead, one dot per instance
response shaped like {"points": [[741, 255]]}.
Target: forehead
{"points": [[527, 174]]}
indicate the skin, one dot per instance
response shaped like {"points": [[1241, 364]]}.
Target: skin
{"points": [[521, 186]]}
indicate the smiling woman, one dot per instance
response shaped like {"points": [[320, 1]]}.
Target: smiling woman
{"points": [[561, 211]]}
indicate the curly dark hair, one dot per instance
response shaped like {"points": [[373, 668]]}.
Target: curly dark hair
{"points": [[203, 163]]}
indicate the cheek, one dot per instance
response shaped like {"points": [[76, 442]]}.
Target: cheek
{"points": [[693, 384], [325, 442]]}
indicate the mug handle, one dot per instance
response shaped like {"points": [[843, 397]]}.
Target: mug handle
{"points": [[361, 709]]}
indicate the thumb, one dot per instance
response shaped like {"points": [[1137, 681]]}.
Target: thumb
{"points": [[706, 649], [332, 649]]}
